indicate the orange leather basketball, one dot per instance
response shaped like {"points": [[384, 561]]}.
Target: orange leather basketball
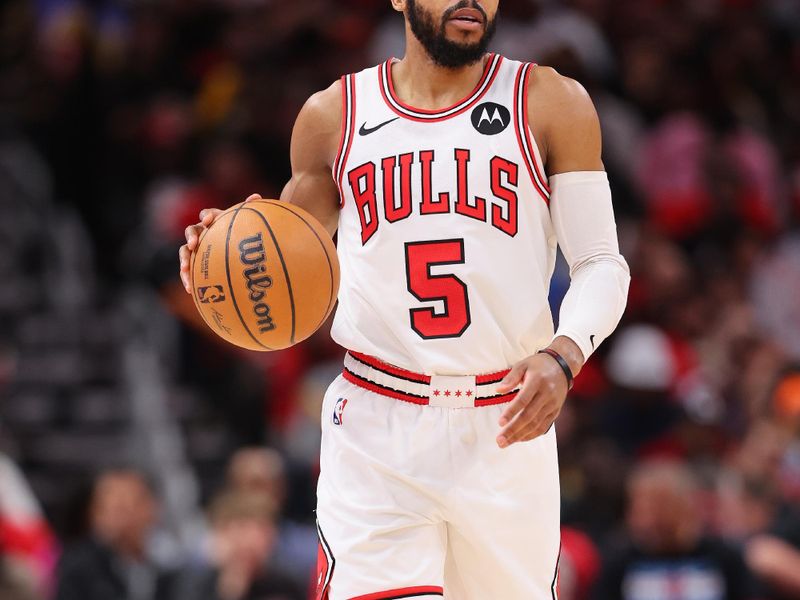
{"points": [[265, 275]]}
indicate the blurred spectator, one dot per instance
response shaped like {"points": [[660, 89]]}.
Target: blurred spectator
{"points": [[27, 545], [775, 559], [745, 506], [263, 471], [640, 408], [751, 511], [667, 556], [243, 537], [14, 582], [111, 561], [578, 565], [774, 290], [259, 471]]}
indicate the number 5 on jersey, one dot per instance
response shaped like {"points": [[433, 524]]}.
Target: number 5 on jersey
{"points": [[420, 257]]}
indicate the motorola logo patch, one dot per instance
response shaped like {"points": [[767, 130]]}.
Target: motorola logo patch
{"points": [[490, 118]]}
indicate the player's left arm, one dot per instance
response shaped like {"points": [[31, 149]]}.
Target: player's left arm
{"points": [[566, 125]]}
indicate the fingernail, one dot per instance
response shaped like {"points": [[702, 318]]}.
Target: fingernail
{"points": [[503, 422], [203, 214], [502, 441]]}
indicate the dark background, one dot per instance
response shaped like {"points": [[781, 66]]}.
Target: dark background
{"points": [[119, 120]]}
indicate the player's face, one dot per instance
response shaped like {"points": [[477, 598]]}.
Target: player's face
{"points": [[454, 34]]}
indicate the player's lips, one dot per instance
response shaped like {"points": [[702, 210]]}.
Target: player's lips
{"points": [[467, 18]]}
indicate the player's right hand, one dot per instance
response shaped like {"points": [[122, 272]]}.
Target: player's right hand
{"points": [[192, 233]]}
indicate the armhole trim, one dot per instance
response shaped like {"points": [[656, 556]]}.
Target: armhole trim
{"points": [[348, 131], [527, 144]]}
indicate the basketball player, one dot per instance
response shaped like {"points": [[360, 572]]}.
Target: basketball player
{"points": [[451, 175]]}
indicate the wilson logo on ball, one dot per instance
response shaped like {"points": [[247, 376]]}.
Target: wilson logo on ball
{"points": [[252, 254]]}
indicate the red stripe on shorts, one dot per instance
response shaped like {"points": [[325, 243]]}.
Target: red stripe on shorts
{"points": [[408, 592], [491, 377], [390, 369], [382, 389], [496, 399]]}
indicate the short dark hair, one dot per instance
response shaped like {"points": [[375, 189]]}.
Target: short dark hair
{"points": [[232, 506]]}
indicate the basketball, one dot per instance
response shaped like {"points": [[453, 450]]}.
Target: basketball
{"points": [[265, 275]]}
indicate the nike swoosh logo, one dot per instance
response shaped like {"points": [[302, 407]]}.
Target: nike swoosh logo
{"points": [[364, 130]]}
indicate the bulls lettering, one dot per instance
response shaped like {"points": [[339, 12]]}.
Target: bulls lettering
{"points": [[463, 206], [398, 198], [362, 183], [504, 169]]}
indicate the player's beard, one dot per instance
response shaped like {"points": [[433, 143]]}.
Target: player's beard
{"points": [[433, 38]]}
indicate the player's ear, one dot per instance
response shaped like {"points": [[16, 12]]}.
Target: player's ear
{"points": [[399, 5]]}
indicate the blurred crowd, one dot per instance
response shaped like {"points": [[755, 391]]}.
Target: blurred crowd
{"points": [[680, 444]]}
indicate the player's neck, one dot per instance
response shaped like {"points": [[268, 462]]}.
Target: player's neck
{"points": [[421, 83]]}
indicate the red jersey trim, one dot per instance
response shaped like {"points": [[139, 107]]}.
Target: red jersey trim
{"points": [[342, 135], [348, 131], [431, 116], [407, 592], [527, 129], [522, 130]]}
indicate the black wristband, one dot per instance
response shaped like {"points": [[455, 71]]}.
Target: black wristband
{"points": [[561, 363]]}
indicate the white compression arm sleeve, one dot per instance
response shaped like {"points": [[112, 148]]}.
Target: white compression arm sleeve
{"points": [[583, 218]]}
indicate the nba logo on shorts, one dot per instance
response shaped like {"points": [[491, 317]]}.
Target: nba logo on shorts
{"points": [[338, 411]]}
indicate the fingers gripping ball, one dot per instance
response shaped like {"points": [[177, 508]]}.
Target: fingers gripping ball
{"points": [[265, 275]]}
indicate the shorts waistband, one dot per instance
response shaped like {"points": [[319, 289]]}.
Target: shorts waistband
{"points": [[446, 391]]}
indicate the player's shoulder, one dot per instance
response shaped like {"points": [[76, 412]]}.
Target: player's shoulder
{"points": [[546, 85], [317, 129], [323, 109], [329, 101], [325, 106], [558, 97]]}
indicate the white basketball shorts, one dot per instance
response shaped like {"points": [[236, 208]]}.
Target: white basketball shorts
{"points": [[416, 500]]}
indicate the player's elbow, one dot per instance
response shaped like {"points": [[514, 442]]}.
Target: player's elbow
{"points": [[609, 262], [610, 267]]}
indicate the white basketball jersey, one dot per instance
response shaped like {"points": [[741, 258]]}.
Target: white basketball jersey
{"points": [[445, 238]]}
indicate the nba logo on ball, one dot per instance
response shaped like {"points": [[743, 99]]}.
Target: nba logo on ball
{"points": [[211, 293], [338, 411]]}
